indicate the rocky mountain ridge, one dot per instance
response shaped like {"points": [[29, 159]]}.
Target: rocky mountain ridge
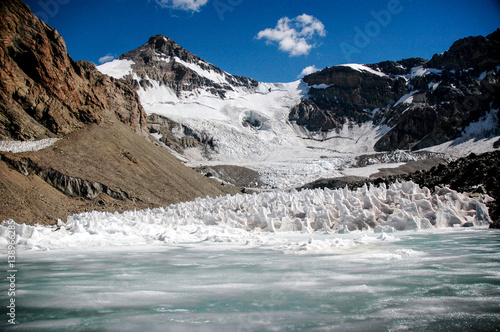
{"points": [[162, 60], [44, 93], [424, 102], [413, 103], [328, 119]]}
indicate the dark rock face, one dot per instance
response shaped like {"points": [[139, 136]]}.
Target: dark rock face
{"points": [[350, 95], [159, 124], [448, 93], [69, 185], [44, 93], [439, 114], [481, 53], [158, 60]]}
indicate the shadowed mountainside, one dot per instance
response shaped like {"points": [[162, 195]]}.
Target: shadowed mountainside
{"points": [[424, 102]]}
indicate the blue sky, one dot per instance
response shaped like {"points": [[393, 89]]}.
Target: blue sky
{"points": [[272, 40]]}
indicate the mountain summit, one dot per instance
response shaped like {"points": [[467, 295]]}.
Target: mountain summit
{"points": [[161, 60]]}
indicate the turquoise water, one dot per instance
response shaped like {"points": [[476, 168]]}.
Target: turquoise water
{"points": [[446, 280]]}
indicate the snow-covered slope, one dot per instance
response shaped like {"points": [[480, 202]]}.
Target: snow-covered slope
{"points": [[239, 121], [246, 122], [23, 146]]}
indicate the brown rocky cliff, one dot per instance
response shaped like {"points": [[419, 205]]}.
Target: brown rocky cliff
{"points": [[101, 162], [43, 92]]}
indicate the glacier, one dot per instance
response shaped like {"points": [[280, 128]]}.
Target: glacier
{"points": [[251, 218], [284, 154], [25, 146]]}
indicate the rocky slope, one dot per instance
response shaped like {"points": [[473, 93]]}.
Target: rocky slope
{"points": [[105, 159], [424, 102], [44, 93]]}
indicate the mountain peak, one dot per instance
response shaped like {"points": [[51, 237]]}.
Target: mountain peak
{"points": [[164, 61], [158, 37], [161, 43]]}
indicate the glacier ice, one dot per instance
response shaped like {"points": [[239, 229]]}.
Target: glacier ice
{"points": [[24, 146], [242, 218]]}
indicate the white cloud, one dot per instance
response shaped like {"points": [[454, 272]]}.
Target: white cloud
{"points": [[108, 57], [294, 35], [308, 70], [187, 5]]}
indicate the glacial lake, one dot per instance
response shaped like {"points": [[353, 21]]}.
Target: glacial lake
{"points": [[424, 280]]}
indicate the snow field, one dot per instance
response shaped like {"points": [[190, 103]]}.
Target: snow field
{"points": [[117, 68], [250, 128], [250, 219], [362, 68]]}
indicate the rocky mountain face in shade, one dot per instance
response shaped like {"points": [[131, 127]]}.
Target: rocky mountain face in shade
{"points": [[424, 102], [163, 61], [44, 93]]}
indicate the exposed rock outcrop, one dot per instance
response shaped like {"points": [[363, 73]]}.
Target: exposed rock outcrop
{"points": [[342, 94], [44, 93], [425, 103], [176, 136], [68, 185]]}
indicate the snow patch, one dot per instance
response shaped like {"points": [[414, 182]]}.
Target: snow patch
{"points": [[321, 86], [483, 127], [421, 71], [433, 85], [363, 68], [477, 137], [406, 99], [209, 74], [25, 146], [117, 68]]}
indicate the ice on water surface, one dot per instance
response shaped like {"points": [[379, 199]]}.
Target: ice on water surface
{"points": [[446, 279]]}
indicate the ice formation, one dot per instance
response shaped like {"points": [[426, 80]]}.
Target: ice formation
{"points": [[241, 218], [25, 146]]}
